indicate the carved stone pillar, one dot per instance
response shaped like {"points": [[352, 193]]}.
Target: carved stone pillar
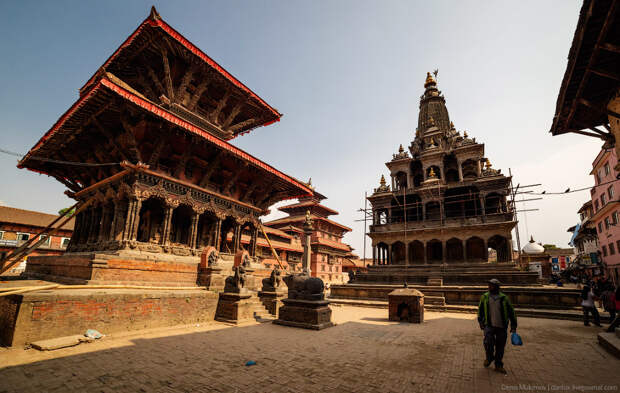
{"points": [[482, 206], [442, 211], [423, 211], [104, 223], [460, 171], [165, 236], [425, 253], [389, 254], [193, 233], [479, 168], [486, 250], [136, 219], [129, 215]]}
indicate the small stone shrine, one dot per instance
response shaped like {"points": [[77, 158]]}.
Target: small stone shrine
{"points": [[273, 290], [305, 307], [406, 304], [238, 304]]}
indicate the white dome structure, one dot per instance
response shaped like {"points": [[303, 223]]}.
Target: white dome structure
{"points": [[533, 248]]}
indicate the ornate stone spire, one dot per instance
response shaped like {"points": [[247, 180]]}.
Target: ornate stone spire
{"points": [[433, 111]]}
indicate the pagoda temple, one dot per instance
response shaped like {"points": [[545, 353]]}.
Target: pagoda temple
{"points": [[158, 178], [328, 250], [445, 204]]}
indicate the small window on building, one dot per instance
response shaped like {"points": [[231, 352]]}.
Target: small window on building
{"points": [[614, 218], [610, 192], [606, 168], [597, 178], [603, 200], [596, 205], [1, 235], [47, 241], [604, 251], [612, 249], [607, 223], [322, 268], [618, 245], [65, 242], [23, 237], [600, 227]]}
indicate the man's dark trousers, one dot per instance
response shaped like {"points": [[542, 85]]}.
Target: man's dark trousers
{"points": [[494, 343]]}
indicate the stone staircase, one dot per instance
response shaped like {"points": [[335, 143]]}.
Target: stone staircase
{"points": [[611, 342], [261, 314]]}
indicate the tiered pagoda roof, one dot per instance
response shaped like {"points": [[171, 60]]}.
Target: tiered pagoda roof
{"points": [[160, 101]]}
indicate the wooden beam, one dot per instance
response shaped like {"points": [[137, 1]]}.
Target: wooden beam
{"points": [[157, 152], [167, 74], [221, 104], [588, 134], [605, 74], [131, 138], [210, 169], [610, 47], [601, 132], [108, 135], [146, 86], [231, 116], [242, 124], [155, 79], [182, 93], [200, 89]]}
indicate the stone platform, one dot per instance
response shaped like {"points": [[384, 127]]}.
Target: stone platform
{"points": [[306, 314], [46, 314], [450, 274], [132, 267], [527, 297]]}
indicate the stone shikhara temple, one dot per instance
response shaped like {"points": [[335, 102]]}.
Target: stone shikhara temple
{"points": [[446, 205], [164, 110]]}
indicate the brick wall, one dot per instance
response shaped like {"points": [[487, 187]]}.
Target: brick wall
{"points": [[37, 316]]}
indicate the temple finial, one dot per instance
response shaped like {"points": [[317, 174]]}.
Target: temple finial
{"points": [[400, 149], [429, 80], [382, 181], [154, 15], [465, 134], [487, 164]]}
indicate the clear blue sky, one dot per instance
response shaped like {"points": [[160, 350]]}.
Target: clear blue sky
{"points": [[347, 75]]}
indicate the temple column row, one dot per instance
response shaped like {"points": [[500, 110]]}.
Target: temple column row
{"points": [[120, 221]]}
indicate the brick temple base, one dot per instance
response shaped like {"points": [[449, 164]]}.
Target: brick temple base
{"points": [[307, 314], [56, 313]]}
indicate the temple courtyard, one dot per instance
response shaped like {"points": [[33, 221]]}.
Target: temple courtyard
{"points": [[363, 353]]}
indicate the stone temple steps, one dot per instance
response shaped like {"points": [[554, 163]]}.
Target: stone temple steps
{"points": [[611, 342]]}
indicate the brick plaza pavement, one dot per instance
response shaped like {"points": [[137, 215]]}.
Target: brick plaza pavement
{"points": [[364, 353]]}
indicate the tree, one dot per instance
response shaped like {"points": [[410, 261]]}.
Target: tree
{"points": [[64, 210], [549, 246]]}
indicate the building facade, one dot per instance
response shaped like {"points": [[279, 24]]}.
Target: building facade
{"points": [[585, 243], [445, 203], [606, 210], [17, 226], [328, 250]]}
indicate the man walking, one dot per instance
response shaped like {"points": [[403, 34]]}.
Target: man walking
{"points": [[494, 313]]}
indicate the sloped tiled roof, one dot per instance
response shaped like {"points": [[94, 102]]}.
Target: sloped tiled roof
{"points": [[11, 215]]}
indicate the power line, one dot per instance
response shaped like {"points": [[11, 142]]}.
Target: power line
{"points": [[43, 159]]}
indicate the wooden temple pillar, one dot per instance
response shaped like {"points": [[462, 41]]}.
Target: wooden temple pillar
{"points": [[374, 255], [236, 238], [464, 250], [217, 237], [460, 171], [482, 206], [193, 234], [444, 252], [253, 240], [132, 218], [425, 251], [117, 220], [93, 225], [167, 224]]}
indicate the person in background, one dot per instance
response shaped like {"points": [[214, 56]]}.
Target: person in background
{"points": [[494, 313], [587, 302], [616, 321]]}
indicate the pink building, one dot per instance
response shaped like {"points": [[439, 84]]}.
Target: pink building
{"points": [[607, 210]]}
